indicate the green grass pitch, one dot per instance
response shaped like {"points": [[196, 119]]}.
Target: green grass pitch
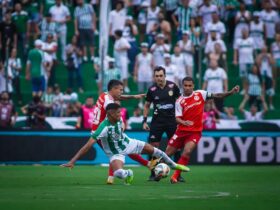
{"points": [[207, 187]]}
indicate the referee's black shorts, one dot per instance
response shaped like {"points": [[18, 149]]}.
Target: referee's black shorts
{"points": [[157, 130]]}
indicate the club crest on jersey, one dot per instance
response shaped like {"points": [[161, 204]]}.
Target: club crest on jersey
{"points": [[171, 85], [170, 93], [153, 88], [196, 98]]}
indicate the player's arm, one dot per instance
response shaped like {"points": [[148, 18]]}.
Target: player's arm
{"points": [[80, 153], [146, 111], [138, 96], [225, 94], [243, 103]]}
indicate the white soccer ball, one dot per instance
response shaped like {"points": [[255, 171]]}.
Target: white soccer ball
{"points": [[162, 170]]}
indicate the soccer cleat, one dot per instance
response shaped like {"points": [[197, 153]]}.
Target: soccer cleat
{"points": [[182, 168], [173, 180], [128, 180], [152, 163], [110, 180], [181, 179]]}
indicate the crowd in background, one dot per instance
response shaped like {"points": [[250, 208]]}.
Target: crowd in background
{"points": [[144, 34]]}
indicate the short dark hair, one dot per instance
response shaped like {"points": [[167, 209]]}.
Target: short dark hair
{"points": [[159, 68], [188, 79], [113, 83], [118, 33], [112, 106]]}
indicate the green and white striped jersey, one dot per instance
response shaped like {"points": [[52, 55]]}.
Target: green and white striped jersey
{"points": [[113, 140]]}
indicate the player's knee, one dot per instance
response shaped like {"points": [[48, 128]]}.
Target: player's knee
{"points": [[120, 173], [186, 153]]}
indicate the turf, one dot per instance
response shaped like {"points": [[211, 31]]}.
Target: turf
{"points": [[207, 187]]}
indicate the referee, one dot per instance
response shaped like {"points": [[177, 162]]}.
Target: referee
{"points": [[163, 95]]}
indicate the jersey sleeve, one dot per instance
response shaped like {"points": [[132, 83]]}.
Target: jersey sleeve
{"points": [[205, 94], [178, 109], [100, 132], [149, 96], [107, 101]]}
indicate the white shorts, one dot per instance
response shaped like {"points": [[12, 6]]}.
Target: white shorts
{"points": [[122, 64], [134, 147], [188, 59]]}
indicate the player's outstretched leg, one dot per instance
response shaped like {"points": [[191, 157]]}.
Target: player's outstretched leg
{"points": [[127, 175]]}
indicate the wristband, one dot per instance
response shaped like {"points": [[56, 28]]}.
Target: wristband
{"points": [[144, 120]]}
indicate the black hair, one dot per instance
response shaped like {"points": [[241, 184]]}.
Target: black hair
{"points": [[118, 33], [113, 83], [159, 68], [188, 79], [112, 106]]}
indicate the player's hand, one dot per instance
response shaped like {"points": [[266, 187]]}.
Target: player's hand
{"points": [[188, 123], [140, 96], [68, 165], [146, 126], [235, 89]]}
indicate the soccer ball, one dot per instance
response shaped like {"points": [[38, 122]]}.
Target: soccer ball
{"points": [[162, 170]]}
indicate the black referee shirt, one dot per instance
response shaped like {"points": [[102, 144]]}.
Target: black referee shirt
{"points": [[164, 102]]}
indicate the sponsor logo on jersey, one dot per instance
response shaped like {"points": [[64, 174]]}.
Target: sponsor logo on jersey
{"points": [[152, 137], [170, 93], [196, 98], [166, 106], [153, 88], [171, 85], [194, 104]]}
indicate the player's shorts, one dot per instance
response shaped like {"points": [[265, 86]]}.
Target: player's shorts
{"points": [[180, 138], [188, 58], [157, 131], [122, 64], [244, 69], [86, 37], [134, 147]]}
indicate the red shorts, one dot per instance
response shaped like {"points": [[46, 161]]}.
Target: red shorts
{"points": [[180, 138]]}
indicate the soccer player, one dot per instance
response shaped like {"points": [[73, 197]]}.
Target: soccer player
{"points": [[189, 111], [163, 95], [117, 145], [114, 94]]}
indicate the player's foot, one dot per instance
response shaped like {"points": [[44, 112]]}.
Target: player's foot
{"points": [[110, 180], [182, 168], [181, 179], [128, 180], [173, 180], [152, 163]]}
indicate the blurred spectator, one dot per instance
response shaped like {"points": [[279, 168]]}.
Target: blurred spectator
{"points": [[158, 49], [170, 69], [228, 114], [164, 27], [70, 105], [48, 99], [231, 8], [216, 81], [210, 116], [187, 50], [14, 69], [182, 17], [95, 4], [137, 118], [275, 51], [46, 5], [178, 60], [142, 20], [85, 118], [112, 72], [210, 45], [85, 26], [270, 18], [49, 48], [20, 19], [129, 33], [8, 114], [73, 64], [219, 56], [255, 89], [5, 5], [117, 18], [215, 25], [125, 117], [33, 7], [253, 114], [35, 69], [257, 31], [143, 70], [57, 102], [244, 56], [2, 78], [35, 111], [266, 63], [48, 26], [170, 7], [152, 21], [98, 71], [121, 47], [8, 36], [205, 13], [61, 15], [242, 20], [195, 34]]}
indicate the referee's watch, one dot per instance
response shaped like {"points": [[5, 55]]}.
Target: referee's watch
{"points": [[144, 120]]}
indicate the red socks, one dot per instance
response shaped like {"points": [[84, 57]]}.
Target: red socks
{"points": [[183, 161]]}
